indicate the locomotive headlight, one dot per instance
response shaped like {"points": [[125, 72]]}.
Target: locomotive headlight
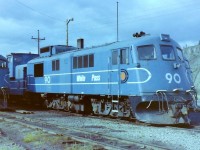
{"points": [[177, 90], [165, 37]]}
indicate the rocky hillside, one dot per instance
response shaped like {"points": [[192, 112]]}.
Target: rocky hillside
{"points": [[193, 55]]}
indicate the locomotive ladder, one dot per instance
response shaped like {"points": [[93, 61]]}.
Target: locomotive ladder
{"points": [[115, 105]]}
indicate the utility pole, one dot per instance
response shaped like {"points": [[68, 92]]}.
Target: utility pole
{"points": [[67, 22], [38, 40], [117, 23]]}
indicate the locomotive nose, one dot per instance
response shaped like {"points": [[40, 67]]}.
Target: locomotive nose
{"points": [[158, 112]]}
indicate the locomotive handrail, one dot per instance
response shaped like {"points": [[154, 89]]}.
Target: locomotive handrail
{"points": [[161, 92], [165, 95], [149, 104], [5, 78], [5, 96], [163, 98], [193, 94]]}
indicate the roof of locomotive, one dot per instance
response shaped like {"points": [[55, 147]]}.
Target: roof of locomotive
{"points": [[114, 45], [11, 54], [3, 58], [134, 41]]}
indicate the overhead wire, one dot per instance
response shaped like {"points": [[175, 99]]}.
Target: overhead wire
{"points": [[173, 9], [144, 17], [153, 13], [41, 13], [151, 9]]}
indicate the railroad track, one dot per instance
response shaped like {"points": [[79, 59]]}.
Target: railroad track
{"points": [[188, 128], [77, 134]]}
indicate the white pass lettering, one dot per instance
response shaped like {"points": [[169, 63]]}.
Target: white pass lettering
{"points": [[96, 77], [80, 78]]}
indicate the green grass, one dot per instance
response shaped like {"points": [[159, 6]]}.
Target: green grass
{"points": [[40, 138]]}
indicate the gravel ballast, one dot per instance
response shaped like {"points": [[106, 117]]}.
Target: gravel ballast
{"points": [[172, 138]]}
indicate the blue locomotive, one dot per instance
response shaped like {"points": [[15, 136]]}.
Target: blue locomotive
{"points": [[17, 64], [147, 77], [4, 82]]}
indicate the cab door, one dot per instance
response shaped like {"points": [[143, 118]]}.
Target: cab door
{"points": [[119, 74]]}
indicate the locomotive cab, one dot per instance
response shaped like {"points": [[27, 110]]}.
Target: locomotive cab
{"points": [[166, 95]]}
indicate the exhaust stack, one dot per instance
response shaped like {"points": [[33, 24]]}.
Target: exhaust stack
{"points": [[80, 43]]}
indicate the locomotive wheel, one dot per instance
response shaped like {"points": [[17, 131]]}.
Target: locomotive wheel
{"points": [[102, 108]]}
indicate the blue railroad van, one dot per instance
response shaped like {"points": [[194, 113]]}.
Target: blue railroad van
{"points": [[17, 73]]}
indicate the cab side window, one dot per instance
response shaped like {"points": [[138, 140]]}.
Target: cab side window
{"points": [[55, 65], [180, 54], [122, 54], [83, 61], [114, 57], [3, 65]]}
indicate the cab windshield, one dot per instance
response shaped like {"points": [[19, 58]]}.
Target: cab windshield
{"points": [[3, 64], [146, 52], [167, 52]]}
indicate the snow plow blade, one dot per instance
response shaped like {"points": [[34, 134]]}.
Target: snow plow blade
{"points": [[194, 116]]}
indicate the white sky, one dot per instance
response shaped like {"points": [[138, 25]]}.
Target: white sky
{"points": [[94, 20]]}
